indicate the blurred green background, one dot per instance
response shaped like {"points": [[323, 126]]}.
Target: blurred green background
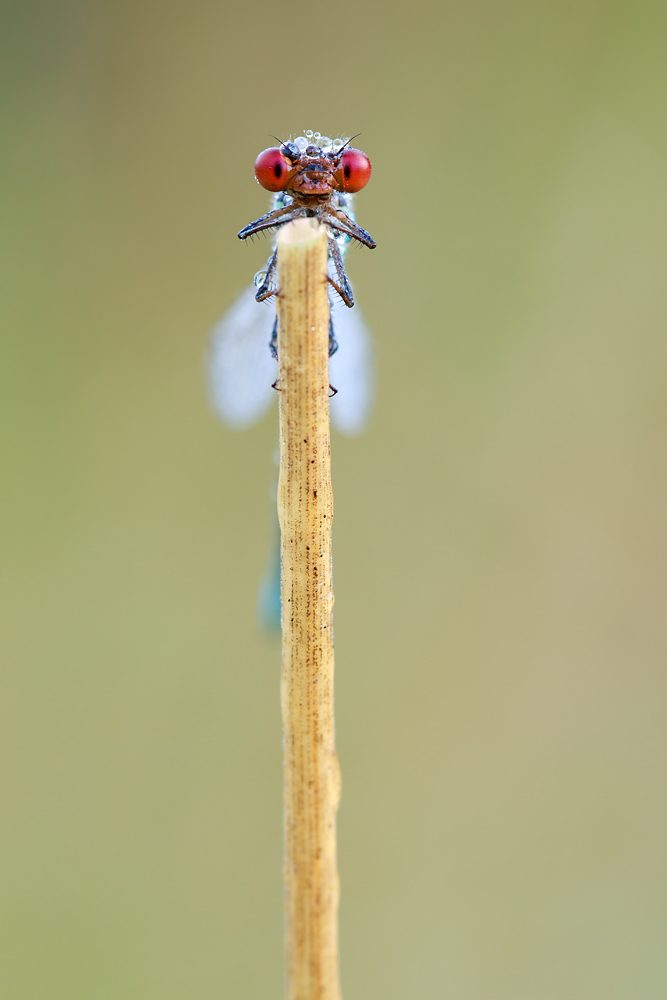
{"points": [[500, 540]]}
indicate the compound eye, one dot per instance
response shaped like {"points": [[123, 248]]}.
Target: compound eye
{"points": [[354, 171], [272, 169]]}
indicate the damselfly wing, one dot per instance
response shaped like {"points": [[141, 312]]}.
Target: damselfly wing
{"points": [[242, 370]]}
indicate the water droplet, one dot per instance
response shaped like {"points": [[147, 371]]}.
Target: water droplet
{"points": [[309, 133], [259, 278]]}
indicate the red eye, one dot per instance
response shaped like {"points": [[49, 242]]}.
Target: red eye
{"points": [[354, 171], [272, 169]]}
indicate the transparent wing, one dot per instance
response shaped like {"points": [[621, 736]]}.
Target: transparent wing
{"points": [[351, 370], [241, 370]]}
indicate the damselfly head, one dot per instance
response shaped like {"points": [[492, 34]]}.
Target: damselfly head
{"points": [[313, 165]]}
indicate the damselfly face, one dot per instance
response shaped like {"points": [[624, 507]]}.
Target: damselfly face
{"points": [[311, 177], [312, 171]]}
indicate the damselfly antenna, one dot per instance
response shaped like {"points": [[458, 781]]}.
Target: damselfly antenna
{"points": [[347, 143]]}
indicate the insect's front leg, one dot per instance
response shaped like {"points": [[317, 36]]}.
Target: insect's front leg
{"points": [[277, 217], [265, 290], [342, 286], [342, 223]]}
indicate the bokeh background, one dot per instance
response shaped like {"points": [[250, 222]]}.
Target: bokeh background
{"points": [[500, 540]]}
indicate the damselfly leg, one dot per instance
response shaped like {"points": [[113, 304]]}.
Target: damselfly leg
{"points": [[273, 343]]}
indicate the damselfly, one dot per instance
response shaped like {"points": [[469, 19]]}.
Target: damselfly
{"points": [[311, 176]]}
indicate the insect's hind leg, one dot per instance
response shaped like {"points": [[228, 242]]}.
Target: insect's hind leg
{"points": [[333, 343], [273, 343]]}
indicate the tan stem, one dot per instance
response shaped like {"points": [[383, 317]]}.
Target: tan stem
{"points": [[305, 510]]}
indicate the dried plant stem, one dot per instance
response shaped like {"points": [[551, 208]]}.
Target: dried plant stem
{"points": [[305, 509]]}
